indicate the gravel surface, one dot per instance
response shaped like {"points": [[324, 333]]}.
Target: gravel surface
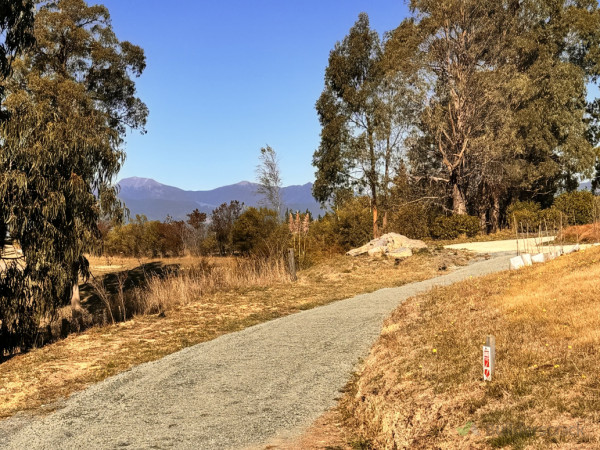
{"points": [[237, 391], [531, 245]]}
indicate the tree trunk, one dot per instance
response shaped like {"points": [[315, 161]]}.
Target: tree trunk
{"points": [[385, 222], [375, 229], [483, 219], [495, 213], [459, 206], [2, 235], [76, 309]]}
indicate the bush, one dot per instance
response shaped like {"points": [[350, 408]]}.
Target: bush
{"points": [[349, 226], [259, 232], [587, 234], [411, 220], [452, 227], [551, 218], [354, 223], [580, 207], [524, 214]]}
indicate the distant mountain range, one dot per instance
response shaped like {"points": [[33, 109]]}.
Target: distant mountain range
{"points": [[157, 201]]}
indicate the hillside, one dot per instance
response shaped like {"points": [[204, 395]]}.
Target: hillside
{"points": [[157, 200], [421, 386]]}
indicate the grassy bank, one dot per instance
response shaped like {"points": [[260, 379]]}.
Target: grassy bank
{"points": [[189, 307], [421, 386]]}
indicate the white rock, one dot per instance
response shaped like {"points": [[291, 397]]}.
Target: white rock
{"points": [[400, 253], [389, 243], [376, 251]]}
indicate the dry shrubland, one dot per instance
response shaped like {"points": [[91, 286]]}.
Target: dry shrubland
{"points": [[587, 234], [196, 282], [421, 386]]}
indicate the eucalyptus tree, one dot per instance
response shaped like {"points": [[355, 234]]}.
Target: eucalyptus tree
{"points": [[71, 100], [269, 179], [16, 34], [362, 111], [506, 115]]}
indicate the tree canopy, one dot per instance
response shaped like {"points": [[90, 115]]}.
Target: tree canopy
{"points": [[491, 98]]}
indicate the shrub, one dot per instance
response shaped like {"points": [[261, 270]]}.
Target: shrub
{"points": [[259, 232], [587, 234], [349, 226], [551, 218], [524, 214], [579, 207], [452, 227], [411, 220]]}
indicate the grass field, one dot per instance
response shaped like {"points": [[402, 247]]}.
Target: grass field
{"points": [[421, 386], [190, 315]]}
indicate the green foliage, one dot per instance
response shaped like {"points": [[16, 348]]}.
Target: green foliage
{"points": [[410, 214], [349, 226], [144, 238], [354, 223], [364, 111], [71, 99], [16, 34], [222, 220], [451, 227], [412, 220], [506, 115], [596, 179], [524, 214], [269, 179], [256, 232], [579, 207]]}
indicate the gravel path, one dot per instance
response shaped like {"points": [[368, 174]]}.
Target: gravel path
{"points": [[236, 391], [531, 245]]}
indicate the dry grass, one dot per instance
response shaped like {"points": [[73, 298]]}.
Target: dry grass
{"points": [[422, 387], [587, 234], [191, 309], [501, 235]]}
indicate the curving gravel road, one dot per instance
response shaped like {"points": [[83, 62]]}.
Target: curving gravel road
{"points": [[240, 390]]}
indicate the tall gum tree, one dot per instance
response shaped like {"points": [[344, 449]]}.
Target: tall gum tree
{"points": [[506, 115], [16, 35], [363, 112], [71, 100]]}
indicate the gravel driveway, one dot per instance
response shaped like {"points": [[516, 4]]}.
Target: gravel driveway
{"points": [[239, 390]]}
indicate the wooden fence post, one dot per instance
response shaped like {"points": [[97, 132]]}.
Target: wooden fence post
{"points": [[292, 264]]}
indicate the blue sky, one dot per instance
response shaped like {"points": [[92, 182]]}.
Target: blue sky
{"points": [[225, 78]]}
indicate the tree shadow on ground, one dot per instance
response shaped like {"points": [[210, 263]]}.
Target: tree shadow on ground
{"points": [[126, 281]]}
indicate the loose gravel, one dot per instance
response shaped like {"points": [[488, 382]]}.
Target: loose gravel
{"points": [[237, 391]]}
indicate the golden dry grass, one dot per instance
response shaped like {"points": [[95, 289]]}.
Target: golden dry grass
{"points": [[47, 374], [421, 386], [588, 234], [500, 235]]}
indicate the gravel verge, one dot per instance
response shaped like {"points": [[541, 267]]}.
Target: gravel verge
{"points": [[237, 391]]}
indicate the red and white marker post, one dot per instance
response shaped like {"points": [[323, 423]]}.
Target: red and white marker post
{"points": [[489, 358]]}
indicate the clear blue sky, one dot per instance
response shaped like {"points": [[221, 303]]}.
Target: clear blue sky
{"points": [[225, 78]]}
